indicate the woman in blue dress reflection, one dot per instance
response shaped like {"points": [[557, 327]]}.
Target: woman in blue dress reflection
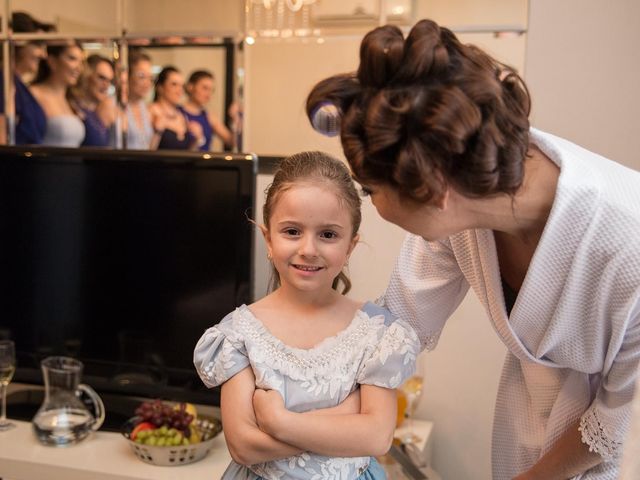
{"points": [[30, 119], [200, 88]]}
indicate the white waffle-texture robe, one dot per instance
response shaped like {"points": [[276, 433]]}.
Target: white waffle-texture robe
{"points": [[573, 336]]}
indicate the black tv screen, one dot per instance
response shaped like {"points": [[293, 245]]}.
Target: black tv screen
{"points": [[122, 259]]}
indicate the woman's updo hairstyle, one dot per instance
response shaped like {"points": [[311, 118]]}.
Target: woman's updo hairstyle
{"points": [[427, 111]]}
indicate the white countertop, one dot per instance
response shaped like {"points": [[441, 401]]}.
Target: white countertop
{"points": [[102, 456], [107, 456]]}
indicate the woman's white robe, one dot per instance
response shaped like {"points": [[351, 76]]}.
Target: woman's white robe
{"points": [[573, 336]]}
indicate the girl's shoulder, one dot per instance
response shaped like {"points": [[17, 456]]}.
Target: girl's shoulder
{"points": [[373, 309]]}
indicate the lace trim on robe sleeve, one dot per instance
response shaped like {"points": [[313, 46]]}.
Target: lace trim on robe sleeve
{"points": [[595, 434]]}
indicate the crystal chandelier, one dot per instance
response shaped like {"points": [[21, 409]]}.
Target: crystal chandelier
{"points": [[278, 18]]}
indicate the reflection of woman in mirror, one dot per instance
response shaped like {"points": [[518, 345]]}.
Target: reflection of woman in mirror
{"points": [[176, 132], [51, 88], [200, 87], [30, 120], [97, 108], [140, 135]]}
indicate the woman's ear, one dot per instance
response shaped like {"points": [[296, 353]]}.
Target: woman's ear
{"points": [[443, 201]]}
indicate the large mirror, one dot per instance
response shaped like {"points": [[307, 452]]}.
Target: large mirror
{"points": [[111, 95]]}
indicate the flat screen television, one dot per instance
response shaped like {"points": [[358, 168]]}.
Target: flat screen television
{"points": [[122, 259]]}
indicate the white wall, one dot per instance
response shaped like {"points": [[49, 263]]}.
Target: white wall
{"points": [[583, 70]]}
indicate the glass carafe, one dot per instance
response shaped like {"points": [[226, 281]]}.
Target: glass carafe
{"points": [[63, 419]]}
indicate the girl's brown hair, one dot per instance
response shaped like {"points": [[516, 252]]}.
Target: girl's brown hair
{"points": [[318, 168], [426, 111]]}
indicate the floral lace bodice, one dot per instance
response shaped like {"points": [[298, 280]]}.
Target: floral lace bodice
{"points": [[374, 349]]}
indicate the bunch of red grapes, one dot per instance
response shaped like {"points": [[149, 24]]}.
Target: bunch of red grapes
{"points": [[160, 414]]}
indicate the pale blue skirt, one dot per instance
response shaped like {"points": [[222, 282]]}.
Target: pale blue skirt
{"points": [[240, 472]]}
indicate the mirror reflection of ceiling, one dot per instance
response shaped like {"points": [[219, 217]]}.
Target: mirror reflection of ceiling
{"points": [[227, 17], [103, 17]]}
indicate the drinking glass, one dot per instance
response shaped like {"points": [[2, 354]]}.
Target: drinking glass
{"points": [[7, 368], [412, 390]]}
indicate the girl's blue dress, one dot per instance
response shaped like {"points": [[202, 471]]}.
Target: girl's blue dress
{"points": [[375, 349]]}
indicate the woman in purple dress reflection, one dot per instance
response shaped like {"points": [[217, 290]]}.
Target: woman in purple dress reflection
{"points": [[95, 100], [175, 130], [200, 88]]}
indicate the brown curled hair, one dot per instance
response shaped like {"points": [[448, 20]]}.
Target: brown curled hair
{"points": [[427, 111], [321, 169]]}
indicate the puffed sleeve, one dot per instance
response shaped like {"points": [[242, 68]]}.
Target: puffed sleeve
{"points": [[606, 421], [426, 287], [220, 353], [392, 358]]}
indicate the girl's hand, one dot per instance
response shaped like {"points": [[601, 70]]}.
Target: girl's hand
{"points": [[268, 406]]}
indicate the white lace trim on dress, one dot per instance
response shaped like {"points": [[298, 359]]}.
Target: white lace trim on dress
{"points": [[327, 359]]}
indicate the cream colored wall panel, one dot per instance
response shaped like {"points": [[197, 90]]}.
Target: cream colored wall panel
{"points": [[279, 76], [184, 15], [74, 16], [583, 72], [454, 13]]}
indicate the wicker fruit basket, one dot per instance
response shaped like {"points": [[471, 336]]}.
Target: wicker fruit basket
{"points": [[208, 427]]}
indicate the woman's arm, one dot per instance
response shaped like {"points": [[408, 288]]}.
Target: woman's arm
{"points": [[246, 442], [106, 111], [196, 132], [3, 129], [369, 432], [220, 129], [568, 457]]}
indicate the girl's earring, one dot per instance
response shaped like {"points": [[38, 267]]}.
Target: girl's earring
{"points": [[269, 256]]}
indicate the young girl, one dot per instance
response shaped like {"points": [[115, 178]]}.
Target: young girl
{"points": [[307, 373]]}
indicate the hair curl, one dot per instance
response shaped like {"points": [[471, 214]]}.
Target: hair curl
{"points": [[318, 168], [427, 111]]}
